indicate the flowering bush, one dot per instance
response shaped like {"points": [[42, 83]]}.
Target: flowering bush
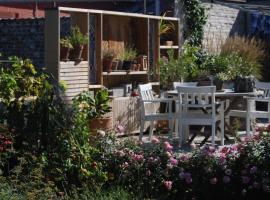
{"points": [[6, 148], [239, 171]]}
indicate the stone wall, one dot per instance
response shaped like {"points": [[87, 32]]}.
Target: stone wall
{"points": [[222, 22], [25, 38]]}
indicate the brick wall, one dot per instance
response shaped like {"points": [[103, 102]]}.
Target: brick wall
{"points": [[25, 38], [222, 22]]}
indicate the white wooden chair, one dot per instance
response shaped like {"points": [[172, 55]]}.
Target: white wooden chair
{"points": [[251, 113], [149, 110], [178, 84], [197, 106]]}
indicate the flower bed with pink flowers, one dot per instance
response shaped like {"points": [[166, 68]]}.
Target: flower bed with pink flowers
{"points": [[239, 171]]}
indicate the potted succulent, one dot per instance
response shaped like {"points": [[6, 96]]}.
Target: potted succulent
{"points": [[66, 46], [129, 55], [95, 107], [108, 57], [78, 40]]}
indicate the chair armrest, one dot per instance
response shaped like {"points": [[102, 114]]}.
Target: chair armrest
{"points": [[262, 99]]}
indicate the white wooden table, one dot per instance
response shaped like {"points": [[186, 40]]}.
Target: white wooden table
{"points": [[233, 100]]}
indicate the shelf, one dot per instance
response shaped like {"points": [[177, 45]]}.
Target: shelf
{"points": [[96, 86], [169, 47], [123, 73]]}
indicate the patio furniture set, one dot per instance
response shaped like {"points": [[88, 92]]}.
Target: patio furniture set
{"points": [[204, 106]]}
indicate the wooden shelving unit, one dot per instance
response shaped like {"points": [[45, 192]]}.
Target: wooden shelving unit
{"points": [[114, 29]]}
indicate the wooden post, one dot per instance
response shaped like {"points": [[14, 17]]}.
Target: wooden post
{"points": [[52, 42], [98, 43]]}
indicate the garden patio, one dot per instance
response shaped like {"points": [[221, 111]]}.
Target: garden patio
{"points": [[126, 110]]}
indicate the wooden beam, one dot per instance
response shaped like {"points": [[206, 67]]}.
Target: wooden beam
{"points": [[103, 12]]}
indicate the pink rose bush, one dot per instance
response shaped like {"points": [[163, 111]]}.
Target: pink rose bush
{"points": [[238, 171]]}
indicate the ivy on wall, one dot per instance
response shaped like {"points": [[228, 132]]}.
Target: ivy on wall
{"points": [[195, 19]]}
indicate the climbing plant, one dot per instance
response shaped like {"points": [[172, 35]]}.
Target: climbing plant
{"points": [[195, 19]]}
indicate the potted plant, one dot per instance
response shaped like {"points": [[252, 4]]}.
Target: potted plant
{"points": [[171, 69], [217, 66], [78, 40], [108, 57], [164, 28], [66, 46], [129, 55], [95, 107]]}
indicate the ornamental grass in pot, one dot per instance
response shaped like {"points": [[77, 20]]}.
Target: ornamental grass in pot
{"points": [[95, 108], [129, 54], [78, 41], [248, 55], [108, 57]]}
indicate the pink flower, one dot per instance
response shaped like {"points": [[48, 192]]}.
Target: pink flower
{"points": [[266, 188], [211, 149], [155, 140], [213, 181], [253, 170], [120, 153], [148, 173], [125, 165], [228, 172], [222, 158], [224, 149], [168, 185], [193, 146], [184, 157], [245, 179], [173, 162], [151, 159], [226, 179], [120, 129], [138, 157], [168, 146], [168, 154], [268, 128], [187, 175], [182, 175], [188, 180], [256, 185]]}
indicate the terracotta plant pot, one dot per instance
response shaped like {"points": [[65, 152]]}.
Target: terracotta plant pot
{"points": [[77, 53], [104, 123], [120, 65], [107, 64], [168, 43], [163, 124], [64, 54]]}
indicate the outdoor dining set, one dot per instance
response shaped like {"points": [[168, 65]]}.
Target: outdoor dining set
{"points": [[191, 105]]}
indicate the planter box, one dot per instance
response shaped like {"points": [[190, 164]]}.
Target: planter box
{"points": [[126, 111], [75, 76]]}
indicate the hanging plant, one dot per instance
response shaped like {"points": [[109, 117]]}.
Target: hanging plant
{"points": [[195, 19]]}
